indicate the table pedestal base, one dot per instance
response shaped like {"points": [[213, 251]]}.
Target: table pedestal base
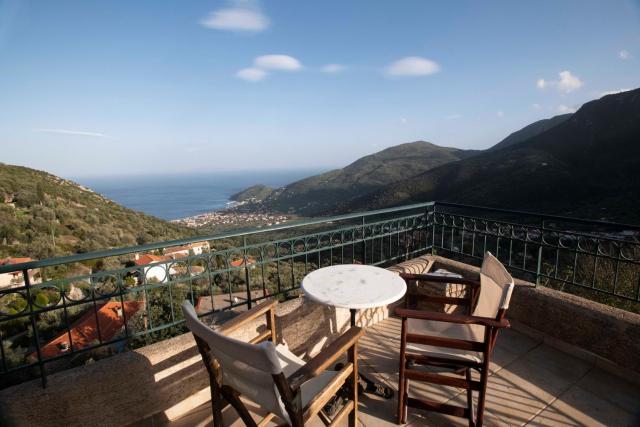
{"points": [[368, 385]]}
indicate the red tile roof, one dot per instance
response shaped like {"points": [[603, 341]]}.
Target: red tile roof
{"points": [[11, 260], [84, 332], [240, 262]]}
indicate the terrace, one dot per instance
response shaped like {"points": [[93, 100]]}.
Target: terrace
{"points": [[572, 356]]}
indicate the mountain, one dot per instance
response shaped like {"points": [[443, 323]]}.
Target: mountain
{"points": [[588, 165], [331, 190], [42, 215], [257, 192], [530, 131]]}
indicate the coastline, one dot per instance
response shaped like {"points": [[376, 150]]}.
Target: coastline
{"points": [[235, 215]]}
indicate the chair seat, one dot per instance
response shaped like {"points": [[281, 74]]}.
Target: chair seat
{"points": [[445, 330], [290, 363]]}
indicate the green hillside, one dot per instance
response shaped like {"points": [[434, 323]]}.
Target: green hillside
{"points": [[42, 215], [586, 166], [333, 189], [256, 192]]}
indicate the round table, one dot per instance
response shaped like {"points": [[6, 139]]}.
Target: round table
{"points": [[354, 287]]}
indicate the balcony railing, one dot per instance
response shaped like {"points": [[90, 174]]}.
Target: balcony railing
{"points": [[66, 311]]}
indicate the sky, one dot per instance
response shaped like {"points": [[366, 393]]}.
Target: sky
{"points": [[91, 88]]}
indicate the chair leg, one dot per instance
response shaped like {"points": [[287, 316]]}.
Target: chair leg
{"points": [[232, 397], [484, 374], [470, 399], [402, 382], [353, 358], [217, 403], [401, 392]]}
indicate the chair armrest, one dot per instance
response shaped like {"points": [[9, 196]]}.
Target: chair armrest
{"points": [[247, 316], [451, 318], [325, 358], [440, 279]]}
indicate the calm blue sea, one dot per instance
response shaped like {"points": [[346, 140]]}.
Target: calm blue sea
{"points": [[179, 196]]}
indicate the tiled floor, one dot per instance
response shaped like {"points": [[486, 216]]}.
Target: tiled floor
{"points": [[530, 384]]}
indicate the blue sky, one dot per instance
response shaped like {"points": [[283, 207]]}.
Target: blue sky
{"points": [[135, 87]]}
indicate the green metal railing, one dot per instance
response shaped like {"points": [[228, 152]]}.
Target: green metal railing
{"points": [[594, 259], [56, 318], [64, 311]]}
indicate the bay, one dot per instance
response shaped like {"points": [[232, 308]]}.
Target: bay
{"points": [[180, 196]]}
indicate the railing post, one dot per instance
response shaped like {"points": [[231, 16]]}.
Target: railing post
{"points": [[246, 271], [539, 263], [433, 229], [34, 326], [539, 267], [364, 244]]}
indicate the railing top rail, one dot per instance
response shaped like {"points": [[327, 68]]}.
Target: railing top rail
{"points": [[543, 216], [49, 262]]}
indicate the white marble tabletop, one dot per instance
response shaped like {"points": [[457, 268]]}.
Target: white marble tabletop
{"points": [[354, 286]]}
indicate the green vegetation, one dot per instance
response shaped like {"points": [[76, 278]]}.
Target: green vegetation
{"points": [[256, 192], [42, 216]]}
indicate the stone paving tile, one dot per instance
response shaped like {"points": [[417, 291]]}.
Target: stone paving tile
{"points": [[530, 382], [519, 392], [557, 363], [579, 407], [613, 389]]}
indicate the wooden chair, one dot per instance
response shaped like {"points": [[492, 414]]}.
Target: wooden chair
{"points": [[270, 375], [436, 347]]}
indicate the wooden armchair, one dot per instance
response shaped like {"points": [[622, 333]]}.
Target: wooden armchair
{"points": [[453, 343], [270, 375]]}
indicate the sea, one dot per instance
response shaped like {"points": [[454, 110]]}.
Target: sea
{"points": [[184, 195]]}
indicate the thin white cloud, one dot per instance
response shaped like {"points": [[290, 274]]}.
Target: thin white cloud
{"points": [[412, 66], [563, 109], [278, 62], [500, 114], [536, 106], [453, 116], [333, 68], [403, 120], [566, 83], [73, 132], [613, 92], [624, 54], [251, 74], [243, 16]]}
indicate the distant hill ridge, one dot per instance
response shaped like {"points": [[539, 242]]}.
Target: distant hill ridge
{"points": [[581, 164], [331, 190], [587, 165], [530, 131], [42, 215]]}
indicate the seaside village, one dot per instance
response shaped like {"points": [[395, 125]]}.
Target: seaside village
{"points": [[108, 320], [231, 219]]}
